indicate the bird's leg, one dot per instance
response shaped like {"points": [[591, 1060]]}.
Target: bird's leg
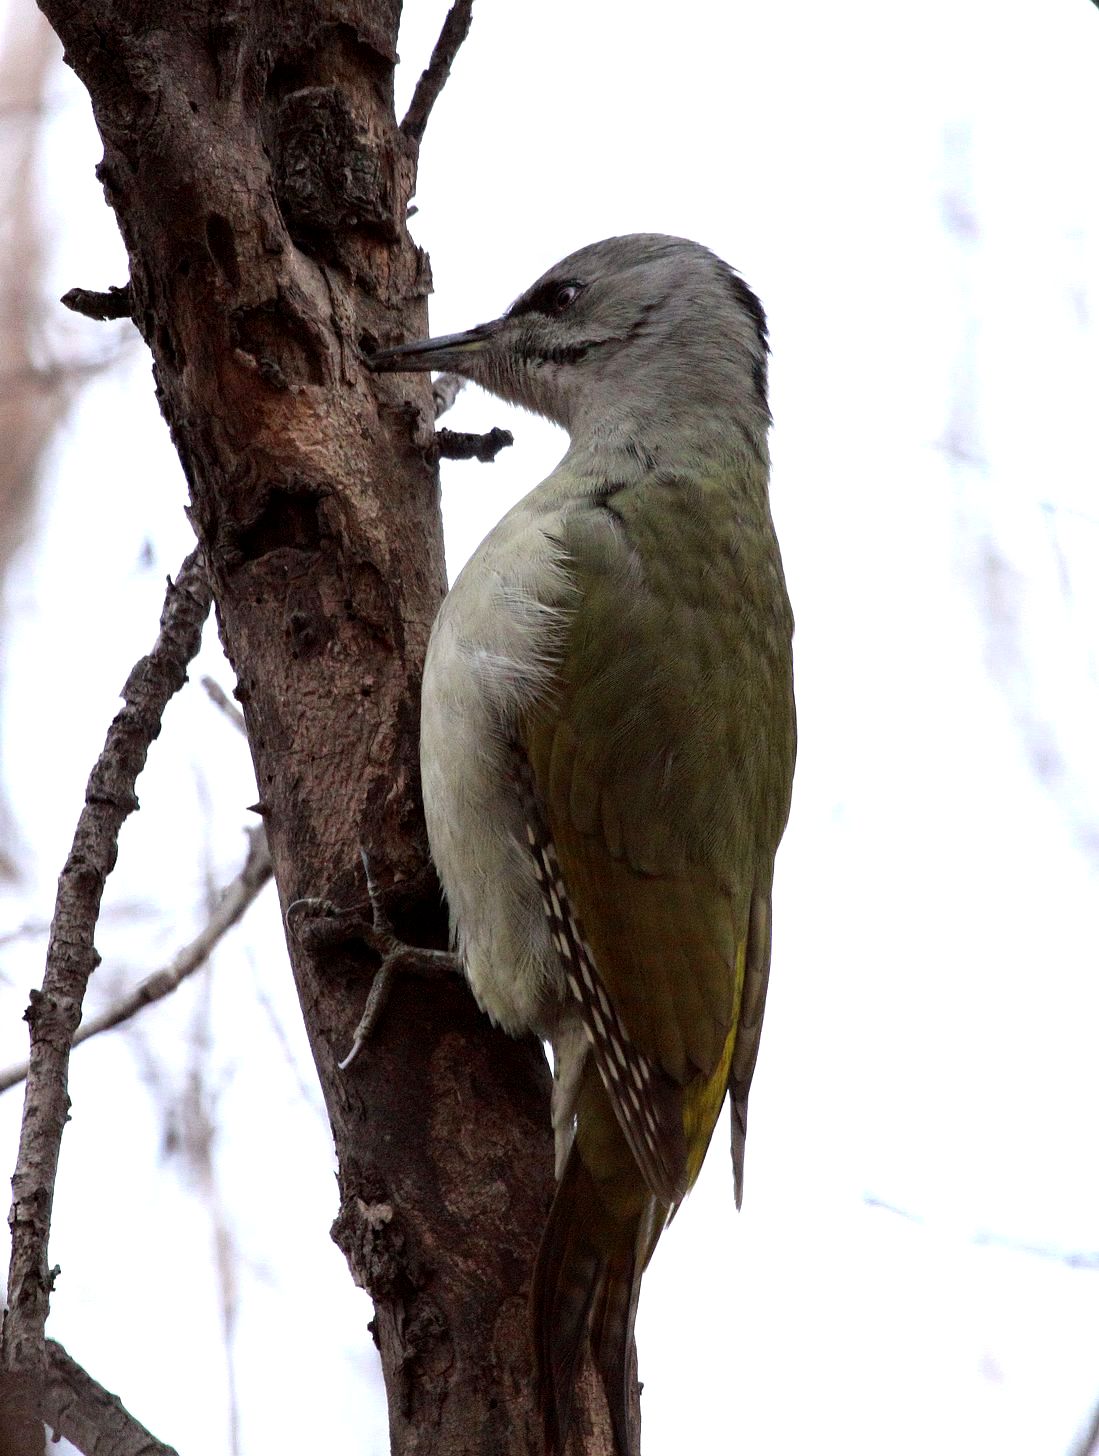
{"points": [[371, 925], [396, 956]]}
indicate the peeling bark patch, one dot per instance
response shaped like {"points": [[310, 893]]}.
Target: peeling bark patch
{"points": [[373, 1240], [329, 175], [312, 54], [409, 1327]]}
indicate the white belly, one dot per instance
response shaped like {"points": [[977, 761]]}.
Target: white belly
{"points": [[492, 652]]}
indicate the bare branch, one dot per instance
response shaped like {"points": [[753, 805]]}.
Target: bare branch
{"points": [[124, 910], [457, 445], [116, 303], [54, 1012], [198, 1134], [78, 1408], [329, 656], [428, 87], [233, 901]]}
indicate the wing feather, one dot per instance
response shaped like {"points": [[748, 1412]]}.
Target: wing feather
{"points": [[648, 769]]}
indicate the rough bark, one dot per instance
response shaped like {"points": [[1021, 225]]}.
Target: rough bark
{"points": [[261, 183], [93, 1419]]}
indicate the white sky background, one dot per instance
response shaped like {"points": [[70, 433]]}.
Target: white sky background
{"points": [[912, 193]]}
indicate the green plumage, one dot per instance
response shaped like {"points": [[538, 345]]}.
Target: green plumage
{"points": [[664, 782]]}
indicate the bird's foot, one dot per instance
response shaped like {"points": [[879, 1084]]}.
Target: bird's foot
{"points": [[398, 958], [321, 923]]}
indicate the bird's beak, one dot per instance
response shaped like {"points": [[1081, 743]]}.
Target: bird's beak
{"points": [[450, 351]]}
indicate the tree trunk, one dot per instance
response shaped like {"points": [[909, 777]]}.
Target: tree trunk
{"points": [[261, 183]]}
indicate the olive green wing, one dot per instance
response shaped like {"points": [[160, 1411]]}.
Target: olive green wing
{"points": [[757, 970], [645, 759]]}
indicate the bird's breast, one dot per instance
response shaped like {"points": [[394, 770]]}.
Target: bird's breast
{"points": [[493, 652]]}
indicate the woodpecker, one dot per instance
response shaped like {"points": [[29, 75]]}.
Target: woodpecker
{"points": [[608, 742]]}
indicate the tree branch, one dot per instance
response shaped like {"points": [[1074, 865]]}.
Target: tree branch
{"points": [[116, 303], [95, 1421], [233, 901], [54, 1012], [430, 85], [221, 699], [457, 445], [261, 185]]}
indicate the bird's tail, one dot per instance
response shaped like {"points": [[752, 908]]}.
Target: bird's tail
{"points": [[602, 1229]]}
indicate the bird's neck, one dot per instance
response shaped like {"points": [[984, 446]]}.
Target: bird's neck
{"points": [[625, 445]]}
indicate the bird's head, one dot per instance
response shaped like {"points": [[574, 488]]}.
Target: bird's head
{"points": [[638, 325]]}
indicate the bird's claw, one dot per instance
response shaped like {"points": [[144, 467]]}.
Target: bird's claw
{"points": [[313, 908], [398, 958], [371, 925]]}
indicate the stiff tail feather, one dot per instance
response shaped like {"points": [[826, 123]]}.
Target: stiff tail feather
{"points": [[612, 1325], [586, 1284], [603, 1227]]}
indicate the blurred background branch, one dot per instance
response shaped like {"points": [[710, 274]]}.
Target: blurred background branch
{"points": [[229, 906], [43, 364]]}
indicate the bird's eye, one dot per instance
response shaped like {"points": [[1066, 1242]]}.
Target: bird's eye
{"points": [[565, 296]]}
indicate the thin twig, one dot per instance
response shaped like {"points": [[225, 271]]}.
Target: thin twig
{"points": [[1088, 1444], [428, 87], [125, 910], [457, 445], [231, 904], [77, 1407], [308, 1094], [1074, 1258], [218, 696], [198, 1127], [116, 303], [54, 1012], [29, 930]]}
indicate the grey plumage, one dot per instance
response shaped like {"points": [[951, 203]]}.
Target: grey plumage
{"points": [[607, 751]]}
